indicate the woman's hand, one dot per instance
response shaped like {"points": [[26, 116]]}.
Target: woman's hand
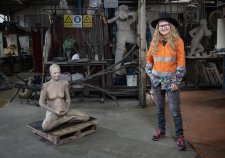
{"points": [[148, 71], [174, 87]]}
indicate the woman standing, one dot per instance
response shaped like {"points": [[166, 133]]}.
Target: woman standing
{"points": [[165, 65]]}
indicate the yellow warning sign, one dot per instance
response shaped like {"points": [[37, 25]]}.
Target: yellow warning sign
{"points": [[87, 20], [68, 21]]}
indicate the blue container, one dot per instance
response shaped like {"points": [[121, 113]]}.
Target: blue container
{"points": [[131, 71], [37, 79]]}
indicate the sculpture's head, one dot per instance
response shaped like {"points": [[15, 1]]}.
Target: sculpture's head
{"points": [[55, 72], [123, 7], [123, 12], [203, 22]]}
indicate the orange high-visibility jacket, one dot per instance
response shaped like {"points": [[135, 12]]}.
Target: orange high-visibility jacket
{"points": [[167, 61]]}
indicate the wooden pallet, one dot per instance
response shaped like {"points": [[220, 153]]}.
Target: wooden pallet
{"points": [[65, 132]]}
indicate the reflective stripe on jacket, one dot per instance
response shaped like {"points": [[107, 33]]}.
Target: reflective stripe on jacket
{"points": [[167, 61]]}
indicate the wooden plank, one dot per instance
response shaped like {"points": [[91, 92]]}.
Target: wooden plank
{"points": [[215, 70], [201, 74], [205, 76], [209, 73], [72, 128]]}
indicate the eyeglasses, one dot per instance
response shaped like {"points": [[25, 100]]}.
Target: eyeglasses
{"points": [[165, 26]]}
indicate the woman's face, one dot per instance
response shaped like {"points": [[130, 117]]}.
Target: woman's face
{"points": [[164, 27], [55, 73]]}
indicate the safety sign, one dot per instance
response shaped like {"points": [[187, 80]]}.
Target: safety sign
{"points": [[77, 21], [87, 20], [68, 21]]}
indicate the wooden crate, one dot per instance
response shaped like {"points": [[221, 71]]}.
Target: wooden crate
{"points": [[65, 132]]}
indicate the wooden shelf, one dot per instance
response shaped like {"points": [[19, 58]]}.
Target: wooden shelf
{"points": [[221, 5], [88, 65]]}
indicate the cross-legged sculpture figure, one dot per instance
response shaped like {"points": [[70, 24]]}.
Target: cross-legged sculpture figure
{"points": [[55, 98], [197, 34], [124, 34]]}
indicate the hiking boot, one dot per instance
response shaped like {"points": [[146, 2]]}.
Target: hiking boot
{"points": [[159, 134], [181, 143]]}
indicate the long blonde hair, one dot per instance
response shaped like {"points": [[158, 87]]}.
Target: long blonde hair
{"points": [[171, 39]]}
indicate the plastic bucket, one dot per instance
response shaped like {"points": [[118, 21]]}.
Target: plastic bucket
{"points": [[131, 80]]}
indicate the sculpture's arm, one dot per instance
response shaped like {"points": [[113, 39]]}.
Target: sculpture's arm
{"points": [[42, 99], [208, 32], [134, 16], [113, 19], [67, 93], [192, 32]]}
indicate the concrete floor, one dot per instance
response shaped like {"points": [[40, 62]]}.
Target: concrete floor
{"points": [[123, 132]]}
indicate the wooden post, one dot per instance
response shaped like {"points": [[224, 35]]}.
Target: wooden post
{"points": [[142, 51]]}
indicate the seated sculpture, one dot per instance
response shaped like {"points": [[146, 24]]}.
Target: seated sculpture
{"points": [[56, 99], [197, 34]]}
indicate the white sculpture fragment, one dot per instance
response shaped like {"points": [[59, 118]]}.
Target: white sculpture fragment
{"points": [[197, 34], [47, 45], [64, 5], [125, 34]]}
